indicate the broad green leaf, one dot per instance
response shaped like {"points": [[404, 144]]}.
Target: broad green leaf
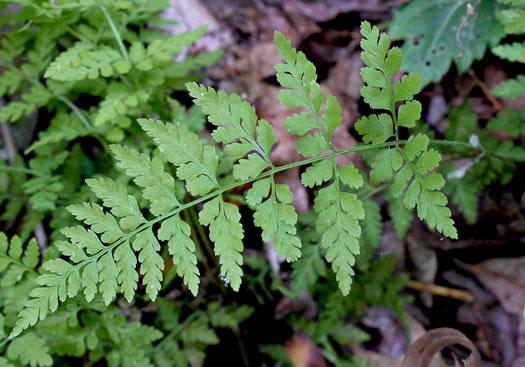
{"points": [[429, 31]]}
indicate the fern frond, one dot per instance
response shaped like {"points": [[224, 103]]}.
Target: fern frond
{"points": [[15, 260], [334, 206], [237, 128], [227, 234], [411, 166], [84, 61], [30, 349]]}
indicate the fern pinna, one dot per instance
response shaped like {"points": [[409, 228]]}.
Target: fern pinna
{"points": [[118, 236]]}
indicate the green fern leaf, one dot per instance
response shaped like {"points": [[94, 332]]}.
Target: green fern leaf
{"points": [[84, 61], [30, 349], [415, 161], [339, 215], [465, 197], [512, 52], [276, 217], [375, 129], [510, 89], [115, 196], [373, 222], [119, 101], [318, 173], [511, 121], [102, 223], [227, 234], [196, 164], [401, 216], [158, 186], [177, 233], [13, 266], [152, 262]]}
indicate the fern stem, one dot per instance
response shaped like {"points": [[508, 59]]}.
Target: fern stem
{"points": [[77, 112], [19, 263], [178, 329], [24, 170], [115, 31]]}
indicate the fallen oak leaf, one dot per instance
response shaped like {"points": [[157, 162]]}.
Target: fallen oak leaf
{"points": [[420, 353]]}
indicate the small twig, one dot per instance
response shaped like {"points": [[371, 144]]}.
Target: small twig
{"points": [[471, 13], [9, 142], [439, 290], [41, 237], [485, 90]]}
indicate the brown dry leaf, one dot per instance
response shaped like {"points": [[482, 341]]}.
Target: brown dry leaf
{"points": [[422, 351], [425, 262], [324, 10], [192, 14], [303, 353], [519, 361], [506, 279], [345, 77], [382, 360]]}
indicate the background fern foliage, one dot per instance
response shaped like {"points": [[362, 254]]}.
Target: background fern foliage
{"points": [[171, 227], [103, 257]]}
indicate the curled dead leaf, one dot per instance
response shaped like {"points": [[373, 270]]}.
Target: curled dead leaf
{"points": [[423, 349]]}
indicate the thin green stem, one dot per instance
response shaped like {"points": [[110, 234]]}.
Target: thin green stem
{"points": [[178, 329], [374, 190], [20, 264], [77, 112], [24, 170], [78, 35], [115, 31]]}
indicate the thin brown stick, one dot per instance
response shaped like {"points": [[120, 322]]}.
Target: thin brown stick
{"points": [[485, 90], [439, 290], [471, 13]]}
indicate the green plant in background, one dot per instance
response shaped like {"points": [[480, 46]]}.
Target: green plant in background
{"points": [[496, 163], [513, 19], [104, 67], [103, 255], [95, 66], [429, 29], [94, 331]]}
